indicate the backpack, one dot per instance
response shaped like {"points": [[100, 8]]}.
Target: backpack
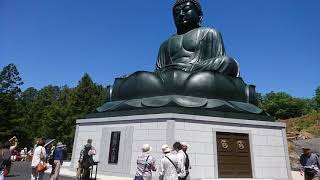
{"points": [[86, 157]]}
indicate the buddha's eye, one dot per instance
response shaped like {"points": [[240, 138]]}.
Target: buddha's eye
{"points": [[187, 8], [177, 11]]}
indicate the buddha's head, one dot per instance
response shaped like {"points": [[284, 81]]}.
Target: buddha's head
{"points": [[187, 15]]}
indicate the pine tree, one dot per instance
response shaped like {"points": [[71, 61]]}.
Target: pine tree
{"points": [[10, 83]]}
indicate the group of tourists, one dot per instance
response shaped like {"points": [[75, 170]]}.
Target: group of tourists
{"points": [[174, 165], [54, 155]]}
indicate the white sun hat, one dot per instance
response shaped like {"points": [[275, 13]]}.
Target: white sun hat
{"points": [[146, 148], [165, 148]]}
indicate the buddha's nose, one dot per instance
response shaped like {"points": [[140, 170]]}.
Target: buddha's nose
{"points": [[181, 13]]}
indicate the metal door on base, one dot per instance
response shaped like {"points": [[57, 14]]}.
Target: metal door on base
{"points": [[234, 158]]}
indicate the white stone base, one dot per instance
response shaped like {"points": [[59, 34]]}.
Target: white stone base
{"points": [[269, 152]]}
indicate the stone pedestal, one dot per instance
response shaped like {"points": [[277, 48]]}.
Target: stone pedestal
{"points": [[266, 140]]}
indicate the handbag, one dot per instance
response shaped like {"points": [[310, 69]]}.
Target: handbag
{"points": [[138, 178], [42, 166], [310, 172]]}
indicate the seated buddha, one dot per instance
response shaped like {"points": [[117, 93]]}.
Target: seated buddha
{"points": [[192, 62], [194, 48]]}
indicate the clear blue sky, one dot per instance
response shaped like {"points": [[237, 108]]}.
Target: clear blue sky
{"points": [[56, 42]]}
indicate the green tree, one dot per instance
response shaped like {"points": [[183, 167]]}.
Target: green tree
{"points": [[52, 111], [87, 96], [27, 111], [260, 100], [283, 106], [317, 98], [80, 101], [10, 83]]}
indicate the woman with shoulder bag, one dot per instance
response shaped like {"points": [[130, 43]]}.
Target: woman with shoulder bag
{"points": [[170, 165], [145, 164], [38, 163]]}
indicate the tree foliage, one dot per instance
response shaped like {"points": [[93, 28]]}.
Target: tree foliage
{"points": [[283, 106], [50, 112], [317, 98], [10, 83]]}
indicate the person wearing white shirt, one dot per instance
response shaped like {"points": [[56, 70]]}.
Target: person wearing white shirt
{"points": [[23, 154], [182, 159], [170, 166], [187, 162], [38, 155]]}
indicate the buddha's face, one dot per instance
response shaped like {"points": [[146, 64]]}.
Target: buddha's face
{"points": [[186, 16]]}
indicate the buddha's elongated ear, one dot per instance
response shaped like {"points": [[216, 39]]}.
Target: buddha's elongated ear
{"points": [[200, 20]]}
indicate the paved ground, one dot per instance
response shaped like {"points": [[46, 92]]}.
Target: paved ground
{"points": [[22, 171]]}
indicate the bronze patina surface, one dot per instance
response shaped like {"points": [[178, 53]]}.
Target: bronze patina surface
{"points": [[192, 71]]}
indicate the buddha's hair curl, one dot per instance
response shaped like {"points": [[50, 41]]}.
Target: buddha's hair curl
{"points": [[195, 2]]}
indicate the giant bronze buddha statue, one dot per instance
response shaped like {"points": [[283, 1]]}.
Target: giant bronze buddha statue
{"points": [[194, 48], [192, 70]]}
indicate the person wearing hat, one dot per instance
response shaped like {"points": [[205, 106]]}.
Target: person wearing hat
{"points": [[57, 161], [170, 166], [145, 164], [310, 163]]}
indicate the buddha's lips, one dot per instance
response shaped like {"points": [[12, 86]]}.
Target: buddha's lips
{"points": [[183, 21]]}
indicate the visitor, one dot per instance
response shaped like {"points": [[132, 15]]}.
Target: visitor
{"points": [[49, 149], [57, 152], [187, 162], [86, 160], [30, 154], [13, 143], [39, 156], [2, 163], [182, 159], [7, 155], [23, 154], [310, 163], [169, 165], [145, 164]]}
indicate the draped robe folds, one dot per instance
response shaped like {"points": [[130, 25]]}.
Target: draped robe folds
{"points": [[200, 49]]}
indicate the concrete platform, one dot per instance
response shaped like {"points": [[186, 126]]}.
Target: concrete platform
{"points": [[268, 145]]}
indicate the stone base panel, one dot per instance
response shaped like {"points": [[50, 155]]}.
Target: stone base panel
{"points": [[269, 152]]}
